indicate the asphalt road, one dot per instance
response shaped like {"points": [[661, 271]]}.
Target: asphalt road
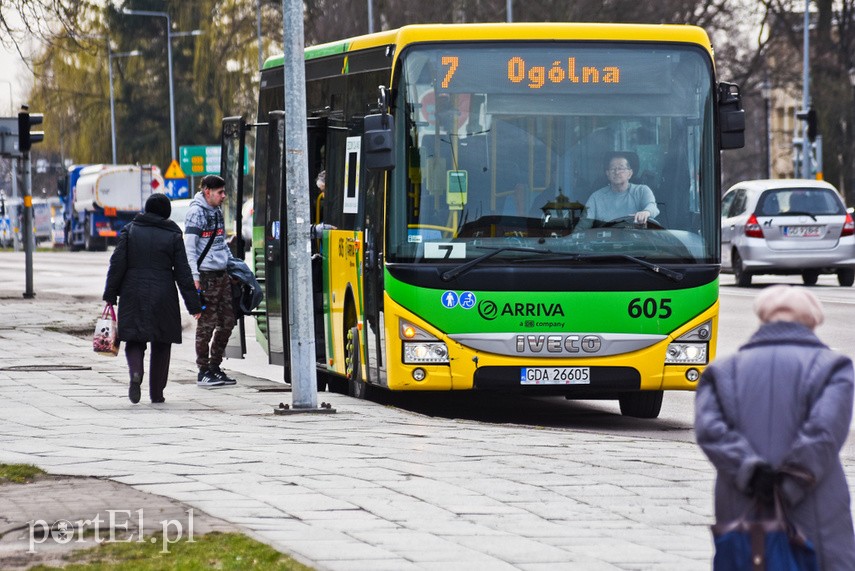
{"points": [[82, 274]]}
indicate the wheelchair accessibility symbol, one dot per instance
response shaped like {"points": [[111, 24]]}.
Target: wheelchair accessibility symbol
{"points": [[467, 300]]}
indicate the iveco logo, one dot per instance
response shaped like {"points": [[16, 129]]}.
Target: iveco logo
{"points": [[558, 343], [488, 310]]}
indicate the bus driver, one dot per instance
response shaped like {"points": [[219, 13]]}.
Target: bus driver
{"points": [[620, 199]]}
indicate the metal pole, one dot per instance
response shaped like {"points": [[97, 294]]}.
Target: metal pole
{"points": [[110, 57], [304, 385], [112, 103], [169, 35], [806, 92], [258, 33], [15, 241], [29, 239], [766, 94], [510, 10], [768, 161], [370, 16], [171, 94]]}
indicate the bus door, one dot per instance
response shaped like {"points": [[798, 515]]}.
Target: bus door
{"points": [[316, 129], [275, 258], [231, 166], [372, 271]]}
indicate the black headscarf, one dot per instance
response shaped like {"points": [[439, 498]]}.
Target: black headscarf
{"points": [[158, 204]]}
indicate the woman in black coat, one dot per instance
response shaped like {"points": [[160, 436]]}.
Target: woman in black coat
{"points": [[148, 261]]}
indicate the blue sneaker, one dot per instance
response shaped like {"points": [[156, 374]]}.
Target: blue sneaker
{"points": [[207, 379], [219, 374]]}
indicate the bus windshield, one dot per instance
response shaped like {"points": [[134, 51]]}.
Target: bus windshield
{"points": [[503, 146]]}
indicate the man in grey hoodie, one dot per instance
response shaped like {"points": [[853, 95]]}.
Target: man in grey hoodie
{"points": [[208, 256]]}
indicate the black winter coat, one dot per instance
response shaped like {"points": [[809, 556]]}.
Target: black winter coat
{"points": [[148, 261]]}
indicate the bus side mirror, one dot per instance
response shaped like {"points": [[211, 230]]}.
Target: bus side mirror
{"points": [[731, 116], [378, 142], [378, 139]]}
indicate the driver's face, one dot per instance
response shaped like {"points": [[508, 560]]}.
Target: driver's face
{"points": [[618, 172]]}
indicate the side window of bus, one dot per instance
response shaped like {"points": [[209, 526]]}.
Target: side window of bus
{"points": [[336, 155]]}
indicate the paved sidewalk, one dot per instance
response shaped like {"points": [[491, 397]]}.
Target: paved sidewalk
{"points": [[370, 487]]}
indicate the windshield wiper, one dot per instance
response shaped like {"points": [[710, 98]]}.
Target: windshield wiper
{"points": [[666, 272], [463, 268], [656, 268], [799, 213]]}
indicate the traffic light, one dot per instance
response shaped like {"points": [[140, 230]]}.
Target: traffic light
{"points": [[26, 121], [812, 126]]}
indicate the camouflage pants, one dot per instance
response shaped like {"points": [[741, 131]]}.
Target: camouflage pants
{"points": [[217, 319]]}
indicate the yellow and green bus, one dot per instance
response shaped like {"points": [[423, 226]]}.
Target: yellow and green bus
{"points": [[459, 160]]}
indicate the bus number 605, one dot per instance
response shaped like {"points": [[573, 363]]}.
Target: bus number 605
{"points": [[650, 308]]}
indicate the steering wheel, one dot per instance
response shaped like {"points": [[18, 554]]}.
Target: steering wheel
{"points": [[629, 222]]}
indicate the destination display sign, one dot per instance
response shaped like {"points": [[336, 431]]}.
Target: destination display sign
{"points": [[574, 69]]}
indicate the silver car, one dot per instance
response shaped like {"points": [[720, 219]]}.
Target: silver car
{"points": [[786, 227]]}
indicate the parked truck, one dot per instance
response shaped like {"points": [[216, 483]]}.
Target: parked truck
{"points": [[98, 200]]}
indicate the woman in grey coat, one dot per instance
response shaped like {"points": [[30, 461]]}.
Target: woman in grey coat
{"points": [[782, 406]]}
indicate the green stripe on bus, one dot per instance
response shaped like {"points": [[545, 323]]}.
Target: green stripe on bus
{"points": [[310, 53], [642, 312]]}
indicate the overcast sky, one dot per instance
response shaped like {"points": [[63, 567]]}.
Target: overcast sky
{"points": [[14, 71]]}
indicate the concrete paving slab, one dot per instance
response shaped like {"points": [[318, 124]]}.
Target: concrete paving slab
{"points": [[371, 487]]}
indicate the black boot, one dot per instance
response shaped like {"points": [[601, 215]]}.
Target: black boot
{"points": [[134, 388]]}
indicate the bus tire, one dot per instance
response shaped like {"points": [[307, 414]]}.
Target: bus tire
{"points": [[644, 404], [355, 386]]}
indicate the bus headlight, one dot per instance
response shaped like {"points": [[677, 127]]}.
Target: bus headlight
{"points": [[683, 353], [422, 352]]}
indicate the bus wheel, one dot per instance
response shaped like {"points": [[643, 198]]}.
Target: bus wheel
{"points": [[355, 387], [644, 404]]}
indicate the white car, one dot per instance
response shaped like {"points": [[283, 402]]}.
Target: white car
{"points": [[180, 206], [793, 226]]}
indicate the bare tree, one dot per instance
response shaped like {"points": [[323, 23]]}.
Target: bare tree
{"points": [[43, 20]]}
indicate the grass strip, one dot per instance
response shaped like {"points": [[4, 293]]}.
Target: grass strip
{"points": [[18, 473], [215, 550]]}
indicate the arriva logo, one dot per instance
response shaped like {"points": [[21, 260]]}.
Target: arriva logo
{"points": [[489, 310]]}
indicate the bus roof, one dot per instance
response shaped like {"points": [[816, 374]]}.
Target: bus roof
{"points": [[502, 31]]}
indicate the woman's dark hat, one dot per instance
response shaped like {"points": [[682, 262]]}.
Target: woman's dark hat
{"points": [[158, 204]]}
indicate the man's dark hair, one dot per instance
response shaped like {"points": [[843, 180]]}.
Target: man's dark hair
{"points": [[212, 181], [631, 158]]}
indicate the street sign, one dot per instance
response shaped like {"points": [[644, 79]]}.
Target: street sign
{"points": [[174, 171], [201, 160], [177, 188]]}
